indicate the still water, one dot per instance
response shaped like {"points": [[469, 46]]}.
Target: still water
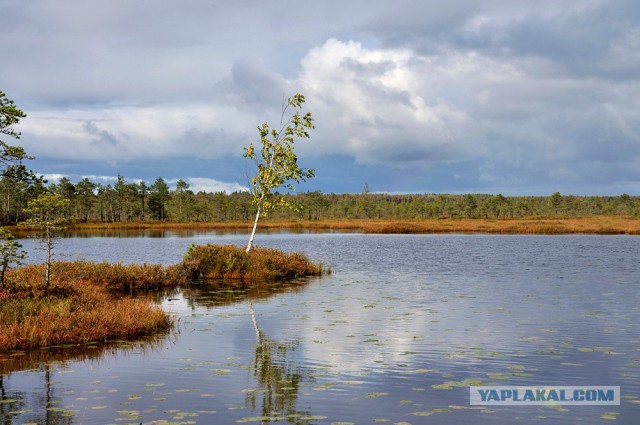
{"points": [[397, 334]]}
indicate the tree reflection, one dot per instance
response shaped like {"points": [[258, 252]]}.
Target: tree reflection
{"points": [[279, 377], [211, 294], [32, 406], [39, 404]]}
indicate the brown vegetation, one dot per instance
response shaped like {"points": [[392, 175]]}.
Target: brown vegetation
{"points": [[73, 310], [530, 225], [540, 226], [88, 301], [233, 263]]}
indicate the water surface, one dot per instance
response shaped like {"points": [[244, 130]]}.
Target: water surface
{"points": [[395, 335]]}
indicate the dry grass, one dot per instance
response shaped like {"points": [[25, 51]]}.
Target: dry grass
{"points": [[88, 301], [586, 225], [531, 225], [116, 277], [74, 310], [232, 263]]}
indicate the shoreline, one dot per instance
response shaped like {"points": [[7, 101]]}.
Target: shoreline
{"points": [[600, 225]]}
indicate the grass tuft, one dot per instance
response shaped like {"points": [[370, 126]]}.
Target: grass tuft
{"points": [[233, 263], [76, 308]]}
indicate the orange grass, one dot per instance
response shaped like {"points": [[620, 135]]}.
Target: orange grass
{"points": [[530, 225], [586, 225], [87, 301], [74, 310], [232, 262]]}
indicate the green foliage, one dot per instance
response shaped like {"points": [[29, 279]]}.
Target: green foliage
{"points": [[158, 197], [10, 116], [277, 164], [49, 212], [11, 253], [93, 202]]}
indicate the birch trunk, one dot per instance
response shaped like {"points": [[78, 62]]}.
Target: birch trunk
{"points": [[255, 225], [254, 320]]}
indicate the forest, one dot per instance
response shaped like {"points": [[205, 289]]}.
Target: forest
{"points": [[131, 201], [139, 201]]}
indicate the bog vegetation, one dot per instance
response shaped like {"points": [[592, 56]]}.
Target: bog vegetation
{"points": [[86, 301], [73, 309]]}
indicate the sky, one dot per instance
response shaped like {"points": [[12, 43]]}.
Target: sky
{"points": [[410, 96]]}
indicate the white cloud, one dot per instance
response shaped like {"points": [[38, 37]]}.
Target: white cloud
{"points": [[196, 184], [374, 104], [201, 184], [531, 89], [130, 133]]}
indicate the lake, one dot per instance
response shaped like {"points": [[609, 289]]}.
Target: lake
{"points": [[397, 334]]}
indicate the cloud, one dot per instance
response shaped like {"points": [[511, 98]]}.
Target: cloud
{"points": [[196, 184], [518, 95], [371, 103], [397, 107], [200, 184]]}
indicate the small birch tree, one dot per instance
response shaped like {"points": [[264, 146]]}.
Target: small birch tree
{"points": [[277, 164], [47, 213]]}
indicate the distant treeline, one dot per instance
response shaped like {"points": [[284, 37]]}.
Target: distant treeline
{"points": [[126, 201]]}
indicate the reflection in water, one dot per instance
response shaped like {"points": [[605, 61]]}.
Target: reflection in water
{"points": [[214, 294], [31, 360], [42, 406], [279, 377], [393, 336], [35, 407]]}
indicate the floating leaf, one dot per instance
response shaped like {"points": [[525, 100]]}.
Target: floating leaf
{"points": [[611, 416], [499, 376], [376, 395], [431, 412], [457, 384]]}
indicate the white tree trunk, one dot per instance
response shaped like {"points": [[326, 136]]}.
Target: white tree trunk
{"points": [[254, 320], [255, 225]]}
